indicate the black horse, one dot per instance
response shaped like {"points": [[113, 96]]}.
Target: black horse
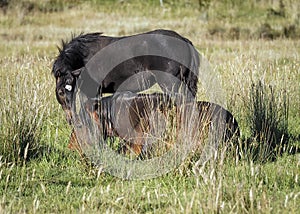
{"points": [[133, 118], [99, 64]]}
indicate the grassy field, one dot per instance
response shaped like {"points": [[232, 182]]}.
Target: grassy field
{"points": [[39, 174]]}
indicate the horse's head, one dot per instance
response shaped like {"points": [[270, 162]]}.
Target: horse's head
{"points": [[66, 88], [66, 68]]}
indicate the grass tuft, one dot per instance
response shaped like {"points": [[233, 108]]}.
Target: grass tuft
{"points": [[23, 114], [268, 120]]}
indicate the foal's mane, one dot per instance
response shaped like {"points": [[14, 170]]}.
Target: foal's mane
{"points": [[72, 52]]}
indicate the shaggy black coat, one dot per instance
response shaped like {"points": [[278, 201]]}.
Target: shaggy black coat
{"points": [[71, 66]]}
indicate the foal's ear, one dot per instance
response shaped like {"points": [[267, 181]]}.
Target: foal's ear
{"points": [[76, 72]]}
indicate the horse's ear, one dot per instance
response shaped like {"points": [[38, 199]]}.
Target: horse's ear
{"points": [[76, 72]]}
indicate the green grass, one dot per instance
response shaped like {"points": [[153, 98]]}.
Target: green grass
{"points": [[64, 185], [53, 179]]}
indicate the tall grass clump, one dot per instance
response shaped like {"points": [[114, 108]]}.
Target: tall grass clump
{"points": [[268, 120], [22, 112]]}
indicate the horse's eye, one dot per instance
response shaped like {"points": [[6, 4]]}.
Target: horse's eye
{"points": [[68, 87], [60, 93]]}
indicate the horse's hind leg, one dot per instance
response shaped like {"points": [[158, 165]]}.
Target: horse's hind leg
{"points": [[180, 81]]}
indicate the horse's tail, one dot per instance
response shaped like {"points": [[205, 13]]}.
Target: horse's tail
{"points": [[195, 60], [194, 64]]}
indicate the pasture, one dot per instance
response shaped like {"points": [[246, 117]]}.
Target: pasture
{"points": [[254, 50]]}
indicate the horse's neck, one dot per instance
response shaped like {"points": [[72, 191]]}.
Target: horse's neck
{"points": [[98, 45]]}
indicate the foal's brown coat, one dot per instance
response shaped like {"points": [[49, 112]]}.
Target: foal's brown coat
{"points": [[140, 109]]}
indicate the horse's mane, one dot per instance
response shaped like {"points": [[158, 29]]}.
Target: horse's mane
{"points": [[73, 52]]}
